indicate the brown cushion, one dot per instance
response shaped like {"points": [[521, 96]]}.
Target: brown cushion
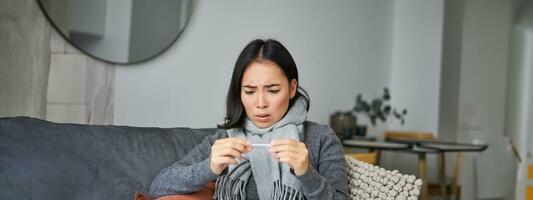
{"points": [[141, 196], [205, 194]]}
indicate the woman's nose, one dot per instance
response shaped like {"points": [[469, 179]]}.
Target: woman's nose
{"points": [[261, 102]]}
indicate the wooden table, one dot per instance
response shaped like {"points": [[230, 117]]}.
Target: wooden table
{"points": [[420, 147]]}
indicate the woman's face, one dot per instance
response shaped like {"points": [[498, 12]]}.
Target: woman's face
{"points": [[265, 93]]}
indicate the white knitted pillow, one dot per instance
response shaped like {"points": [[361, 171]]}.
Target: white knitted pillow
{"points": [[366, 181]]}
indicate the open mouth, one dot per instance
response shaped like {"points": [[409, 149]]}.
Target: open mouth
{"points": [[263, 117]]}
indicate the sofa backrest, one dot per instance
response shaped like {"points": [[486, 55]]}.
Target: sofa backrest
{"points": [[45, 160]]}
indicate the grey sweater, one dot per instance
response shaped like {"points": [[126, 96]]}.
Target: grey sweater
{"points": [[326, 177]]}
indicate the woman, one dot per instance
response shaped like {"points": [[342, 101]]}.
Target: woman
{"points": [[265, 149]]}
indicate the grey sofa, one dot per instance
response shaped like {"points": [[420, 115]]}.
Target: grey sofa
{"points": [[45, 160]]}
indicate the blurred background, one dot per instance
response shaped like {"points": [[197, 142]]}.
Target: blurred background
{"points": [[462, 69]]}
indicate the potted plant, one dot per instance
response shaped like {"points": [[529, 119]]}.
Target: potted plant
{"points": [[346, 125], [378, 108]]}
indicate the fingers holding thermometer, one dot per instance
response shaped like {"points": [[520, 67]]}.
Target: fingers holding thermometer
{"points": [[292, 152], [227, 151]]}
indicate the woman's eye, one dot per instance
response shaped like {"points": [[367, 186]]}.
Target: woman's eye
{"points": [[274, 91], [248, 92]]}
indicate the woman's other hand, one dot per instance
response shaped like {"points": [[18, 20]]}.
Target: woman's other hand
{"points": [[292, 152], [225, 152]]}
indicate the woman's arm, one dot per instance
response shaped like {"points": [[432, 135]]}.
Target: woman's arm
{"points": [[190, 174], [327, 180]]}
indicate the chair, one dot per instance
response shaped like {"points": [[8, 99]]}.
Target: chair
{"points": [[369, 158], [413, 135], [408, 135], [434, 189], [453, 187]]}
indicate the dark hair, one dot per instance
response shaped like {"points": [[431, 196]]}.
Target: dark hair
{"points": [[258, 50]]}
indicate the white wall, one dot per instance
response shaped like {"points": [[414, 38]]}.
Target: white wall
{"points": [[340, 49], [451, 68], [416, 63], [415, 75], [481, 116], [520, 103], [520, 93], [450, 78]]}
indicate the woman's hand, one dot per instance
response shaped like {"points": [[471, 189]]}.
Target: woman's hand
{"points": [[225, 152], [292, 152]]}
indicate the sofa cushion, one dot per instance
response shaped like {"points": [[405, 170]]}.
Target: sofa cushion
{"points": [[45, 160], [367, 181]]}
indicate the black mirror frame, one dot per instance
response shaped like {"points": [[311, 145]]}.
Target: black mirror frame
{"points": [[49, 19]]}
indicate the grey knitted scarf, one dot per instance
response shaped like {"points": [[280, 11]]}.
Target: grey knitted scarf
{"points": [[273, 179]]}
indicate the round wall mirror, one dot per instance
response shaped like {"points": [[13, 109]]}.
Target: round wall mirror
{"points": [[119, 31]]}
